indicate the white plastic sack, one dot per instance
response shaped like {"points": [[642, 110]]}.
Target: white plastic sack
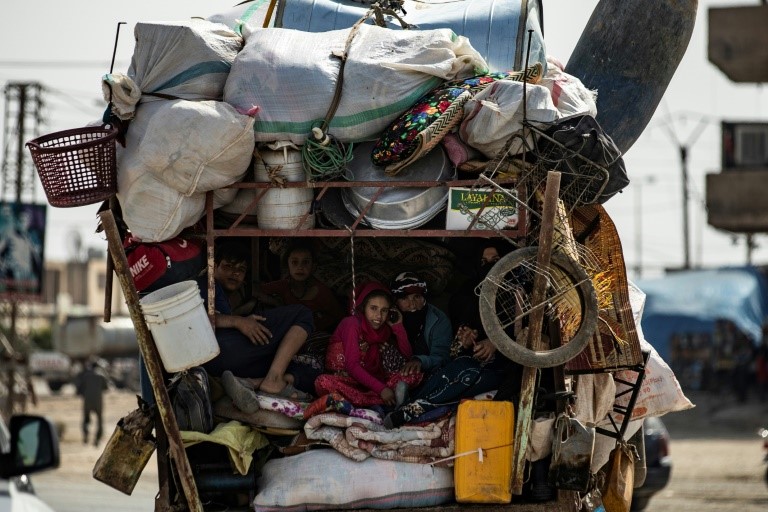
{"points": [[496, 113], [153, 211], [569, 95], [289, 77], [326, 479], [188, 59], [660, 392], [540, 438], [596, 393], [158, 152], [191, 146]]}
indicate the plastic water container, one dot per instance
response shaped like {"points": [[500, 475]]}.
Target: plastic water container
{"points": [[179, 324], [283, 208], [486, 425]]}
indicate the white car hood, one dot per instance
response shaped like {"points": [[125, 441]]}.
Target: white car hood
{"points": [[12, 500]]}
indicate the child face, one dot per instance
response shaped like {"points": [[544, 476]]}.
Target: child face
{"points": [[490, 256], [300, 265], [230, 274], [377, 311], [411, 303]]}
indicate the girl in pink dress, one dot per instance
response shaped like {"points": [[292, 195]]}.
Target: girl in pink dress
{"points": [[354, 356]]}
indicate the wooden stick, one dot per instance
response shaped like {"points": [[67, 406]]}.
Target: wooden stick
{"points": [[110, 264], [269, 13], [543, 257], [152, 360]]}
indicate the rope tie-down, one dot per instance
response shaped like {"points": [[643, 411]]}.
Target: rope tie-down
{"points": [[324, 157]]}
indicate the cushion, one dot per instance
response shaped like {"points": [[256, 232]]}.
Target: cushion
{"points": [[224, 408], [432, 117], [327, 480]]}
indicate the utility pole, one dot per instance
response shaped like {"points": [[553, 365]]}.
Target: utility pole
{"points": [[23, 116], [23, 113], [686, 224], [683, 150]]}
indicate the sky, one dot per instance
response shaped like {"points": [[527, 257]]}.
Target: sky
{"points": [[68, 46]]}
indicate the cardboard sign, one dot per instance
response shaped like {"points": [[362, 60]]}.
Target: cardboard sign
{"points": [[495, 210]]}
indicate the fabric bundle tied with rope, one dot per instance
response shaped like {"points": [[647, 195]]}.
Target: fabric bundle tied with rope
{"points": [[294, 83]]}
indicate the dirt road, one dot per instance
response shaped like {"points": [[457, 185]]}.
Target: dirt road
{"points": [[716, 453], [71, 488], [717, 457]]}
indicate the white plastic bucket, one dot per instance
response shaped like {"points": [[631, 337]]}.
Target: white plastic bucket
{"points": [[283, 208], [177, 320]]}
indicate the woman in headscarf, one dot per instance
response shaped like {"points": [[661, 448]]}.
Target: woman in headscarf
{"points": [[428, 328], [475, 366], [354, 352]]}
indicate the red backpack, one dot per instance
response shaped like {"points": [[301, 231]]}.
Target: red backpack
{"points": [[158, 264]]}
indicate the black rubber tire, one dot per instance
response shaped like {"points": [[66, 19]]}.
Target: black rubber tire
{"points": [[517, 352]]}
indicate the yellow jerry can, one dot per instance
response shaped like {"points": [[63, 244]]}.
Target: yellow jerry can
{"points": [[486, 428]]}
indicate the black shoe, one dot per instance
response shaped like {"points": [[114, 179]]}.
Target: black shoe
{"points": [[395, 419]]}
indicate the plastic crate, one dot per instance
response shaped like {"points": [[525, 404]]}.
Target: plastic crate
{"points": [[76, 167]]}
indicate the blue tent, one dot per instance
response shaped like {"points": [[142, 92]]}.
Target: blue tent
{"points": [[691, 301]]}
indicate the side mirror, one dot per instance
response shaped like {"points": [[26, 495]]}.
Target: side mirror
{"points": [[34, 446]]}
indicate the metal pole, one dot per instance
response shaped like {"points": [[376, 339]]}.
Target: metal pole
{"points": [[639, 230], [686, 229]]}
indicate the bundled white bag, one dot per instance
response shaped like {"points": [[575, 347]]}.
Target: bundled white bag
{"points": [[191, 146], [496, 113], [290, 78], [569, 95], [183, 60], [155, 212], [152, 210], [661, 392], [327, 480], [175, 151], [187, 59]]}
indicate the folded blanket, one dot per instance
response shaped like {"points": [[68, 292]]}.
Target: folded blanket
{"points": [[359, 438]]}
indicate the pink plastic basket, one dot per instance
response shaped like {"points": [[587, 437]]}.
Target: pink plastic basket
{"points": [[76, 167]]}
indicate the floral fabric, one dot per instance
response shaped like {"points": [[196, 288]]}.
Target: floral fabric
{"points": [[401, 139]]}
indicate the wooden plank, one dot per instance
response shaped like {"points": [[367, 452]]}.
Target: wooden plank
{"points": [[152, 360], [525, 407]]}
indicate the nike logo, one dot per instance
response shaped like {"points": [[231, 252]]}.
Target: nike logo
{"points": [[182, 243]]}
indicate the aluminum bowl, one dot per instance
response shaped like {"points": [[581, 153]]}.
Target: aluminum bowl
{"points": [[398, 207]]}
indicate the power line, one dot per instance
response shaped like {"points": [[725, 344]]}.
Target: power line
{"points": [[57, 64]]}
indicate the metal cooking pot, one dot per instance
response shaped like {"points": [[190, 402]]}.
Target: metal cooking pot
{"points": [[398, 207]]}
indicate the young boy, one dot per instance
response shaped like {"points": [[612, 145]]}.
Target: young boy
{"points": [[259, 345]]}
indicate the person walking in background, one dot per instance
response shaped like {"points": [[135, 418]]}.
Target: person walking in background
{"points": [[91, 383]]}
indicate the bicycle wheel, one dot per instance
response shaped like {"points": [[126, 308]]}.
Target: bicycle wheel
{"points": [[505, 303]]}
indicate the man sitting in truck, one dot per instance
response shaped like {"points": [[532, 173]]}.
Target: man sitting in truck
{"points": [[258, 346]]}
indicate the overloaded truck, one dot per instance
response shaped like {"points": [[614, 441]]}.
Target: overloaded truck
{"points": [[393, 150]]}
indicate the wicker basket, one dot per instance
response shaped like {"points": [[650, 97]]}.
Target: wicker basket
{"points": [[76, 167]]}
